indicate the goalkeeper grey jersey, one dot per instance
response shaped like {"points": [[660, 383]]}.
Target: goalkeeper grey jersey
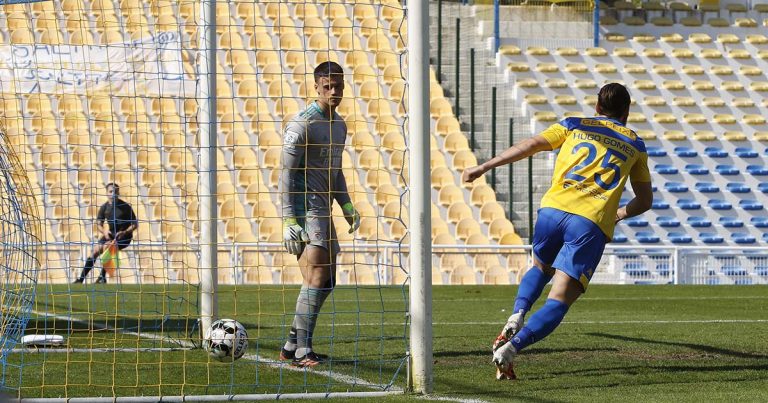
{"points": [[311, 175]]}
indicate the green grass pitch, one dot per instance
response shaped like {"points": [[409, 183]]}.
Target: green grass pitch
{"points": [[617, 343]]}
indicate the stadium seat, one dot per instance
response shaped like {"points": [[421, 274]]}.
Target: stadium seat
{"points": [[718, 204], [759, 222], [685, 152], [726, 170], [679, 238], [706, 187], [731, 222], [744, 239], [659, 205], [500, 227], [710, 238], [667, 221], [665, 169], [745, 152], [738, 187], [675, 187], [751, 205], [688, 204], [696, 169], [654, 151], [715, 152], [647, 237], [757, 170], [466, 228], [637, 221]]}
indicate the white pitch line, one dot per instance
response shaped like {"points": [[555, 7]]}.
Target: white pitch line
{"points": [[450, 399], [574, 322], [347, 379]]}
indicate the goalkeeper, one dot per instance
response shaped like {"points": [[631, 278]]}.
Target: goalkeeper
{"points": [[577, 216], [311, 178], [122, 222]]}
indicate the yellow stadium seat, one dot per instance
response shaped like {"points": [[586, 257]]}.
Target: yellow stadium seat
{"points": [[441, 177], [682, 53], [464, 159], [500, 227], [386, 194], [466, 228], [704, 135], [481, 194], [377, 178], [491, 211], [271, 158], [446, 125], [449, 195], [459, 211]]}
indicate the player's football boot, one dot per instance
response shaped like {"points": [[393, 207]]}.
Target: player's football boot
{"points": [[503, 358], [513, 325], [309, 360], [286, 355]]}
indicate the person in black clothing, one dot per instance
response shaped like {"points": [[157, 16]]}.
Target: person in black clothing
{"points": [[122, 222]]}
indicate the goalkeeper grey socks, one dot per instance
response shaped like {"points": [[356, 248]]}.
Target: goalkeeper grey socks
{"points": [[307, 308]]}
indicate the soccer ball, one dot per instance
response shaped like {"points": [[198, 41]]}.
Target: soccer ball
{"points": [[227, 340]]}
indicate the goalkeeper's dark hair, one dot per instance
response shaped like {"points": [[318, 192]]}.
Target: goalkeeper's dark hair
{"points": [[613, 100], [328, 69], [114, 185]]}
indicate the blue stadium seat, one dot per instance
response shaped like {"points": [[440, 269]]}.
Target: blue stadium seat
{"points": [[675, 187], [618, 237], [696, 169], [637, 221], [665, 169], [706, 187], [710, 238], [647, 237], [636, 269], [765, 236], [757, 170], [660, 205], [717, 204], [761, 270], [715, 152], [763, 187], [759, 222], [688, 204], [685, 152], [679, 237], [743, 238], [724, 169], [667, 221], [731, 222], [699, 222], [738, 187], [752, 205], [746, 152], [656, 152]]}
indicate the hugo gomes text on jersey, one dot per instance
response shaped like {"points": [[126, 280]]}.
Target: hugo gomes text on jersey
{"points": [[311, 175], [596, 157]]}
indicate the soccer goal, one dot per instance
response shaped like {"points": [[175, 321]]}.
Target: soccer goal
{"points": [[151, 133]]}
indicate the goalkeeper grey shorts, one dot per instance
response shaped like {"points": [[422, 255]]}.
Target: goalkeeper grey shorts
{"points": [[321, 232]]}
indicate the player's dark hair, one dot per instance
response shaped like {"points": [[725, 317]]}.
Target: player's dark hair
{"points": [[328, 69], [613, 100], [114, 185]]}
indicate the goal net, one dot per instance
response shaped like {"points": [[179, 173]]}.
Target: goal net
{"points": [[107, 92]]}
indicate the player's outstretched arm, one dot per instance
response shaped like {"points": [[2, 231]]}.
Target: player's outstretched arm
{"points": [[521, 150], [640, 204]]}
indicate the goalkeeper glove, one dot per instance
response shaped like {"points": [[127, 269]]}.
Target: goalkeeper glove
{"points": [[294, 236], [352, 216]]}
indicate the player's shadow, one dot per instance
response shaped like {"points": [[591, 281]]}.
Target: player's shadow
{"points": [[693, 346]]}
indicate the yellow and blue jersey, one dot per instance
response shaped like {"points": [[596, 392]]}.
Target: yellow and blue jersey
{"points": [[596, 157]]}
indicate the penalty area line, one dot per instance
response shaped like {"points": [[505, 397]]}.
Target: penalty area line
{"points": [[341, 378]]}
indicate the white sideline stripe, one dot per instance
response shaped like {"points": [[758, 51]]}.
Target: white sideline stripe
{"points": [[450, 399], [348, 379], [574, 322]]}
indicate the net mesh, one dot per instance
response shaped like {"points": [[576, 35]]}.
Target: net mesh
{"points": [[98, 92]]}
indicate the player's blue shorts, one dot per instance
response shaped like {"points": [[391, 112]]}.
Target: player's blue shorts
{"points": [[569, 243]]}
